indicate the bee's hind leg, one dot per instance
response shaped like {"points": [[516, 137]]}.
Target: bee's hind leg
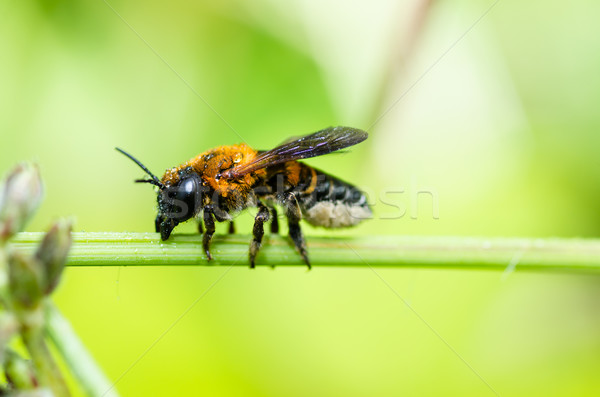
{"points": [[231, 229], [294, 215], [258, 231]]}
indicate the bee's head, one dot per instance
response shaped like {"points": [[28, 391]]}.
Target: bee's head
{"points": [[177, 202]]}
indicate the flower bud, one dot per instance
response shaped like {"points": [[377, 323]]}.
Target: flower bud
{"points": [[52, 253], [20, 196], [26, 280]]}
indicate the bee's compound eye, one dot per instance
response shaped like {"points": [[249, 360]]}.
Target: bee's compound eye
{"points": [[187, 192], [187, 186], [183, 200]]}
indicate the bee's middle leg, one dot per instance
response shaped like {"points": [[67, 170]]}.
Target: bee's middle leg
{"points": [[274, 221], [258, 231]]}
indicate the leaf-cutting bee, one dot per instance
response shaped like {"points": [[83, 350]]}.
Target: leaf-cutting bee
{"points": [[221, 182]]}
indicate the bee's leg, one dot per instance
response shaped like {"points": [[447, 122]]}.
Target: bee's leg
{"points": [[200, 228], [157, 223], [209, 222], [294, 215], [274, 221], [258, 231], [231, 227]]}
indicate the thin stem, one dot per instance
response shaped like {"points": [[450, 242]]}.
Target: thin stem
{"points": [[146, 249], [80, 362]]}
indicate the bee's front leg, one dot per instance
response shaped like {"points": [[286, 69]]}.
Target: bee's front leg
{"points": [[157, 223], [294, 215], [209, 222], [258, 231]]}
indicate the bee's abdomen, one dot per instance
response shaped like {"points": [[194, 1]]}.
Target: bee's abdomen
{"points": [[329, 202]]}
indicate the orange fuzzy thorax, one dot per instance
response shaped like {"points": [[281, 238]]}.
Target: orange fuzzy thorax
{"points": [[210, 164]]}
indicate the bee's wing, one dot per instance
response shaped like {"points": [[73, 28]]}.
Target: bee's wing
{"points": [[313, 145]]}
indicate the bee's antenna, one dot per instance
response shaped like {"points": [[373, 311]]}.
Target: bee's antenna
{"points": [[154, 181], [150, 181]]}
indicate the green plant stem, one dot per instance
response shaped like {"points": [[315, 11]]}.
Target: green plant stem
{"points": [[80, 362], [146, 249]]}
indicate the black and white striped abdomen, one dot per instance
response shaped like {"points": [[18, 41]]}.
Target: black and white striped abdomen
{"points": [[329, 202]]}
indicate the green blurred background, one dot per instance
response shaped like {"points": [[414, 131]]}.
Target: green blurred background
{"points": [[497, 119]]}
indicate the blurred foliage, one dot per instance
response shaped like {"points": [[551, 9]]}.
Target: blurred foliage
{"points": [[503, 129]]}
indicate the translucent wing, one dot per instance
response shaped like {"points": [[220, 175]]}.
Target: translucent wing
{"points": [[313, 145]]}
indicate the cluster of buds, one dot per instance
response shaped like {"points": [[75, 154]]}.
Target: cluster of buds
{"points": [[30, 278], [26, 280]]}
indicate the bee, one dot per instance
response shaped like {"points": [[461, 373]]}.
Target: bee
{"points": [[221, 182]]}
